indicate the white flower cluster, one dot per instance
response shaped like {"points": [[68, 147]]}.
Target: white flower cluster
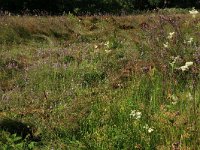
{"points": [[135, 114], [174, 99], [107, 51], [190, 40], [186, 66], [193, 12], [107, 44], [166, 45], [175, 59], [149, 129], [170, 36]]}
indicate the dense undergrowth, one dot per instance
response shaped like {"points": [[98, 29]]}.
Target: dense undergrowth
{"points": [[100, 82]]}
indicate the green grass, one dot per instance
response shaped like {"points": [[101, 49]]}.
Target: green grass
{"points": [[99, 82]]}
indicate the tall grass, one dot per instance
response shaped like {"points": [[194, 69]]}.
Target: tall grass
{"points": [[100, 82]]}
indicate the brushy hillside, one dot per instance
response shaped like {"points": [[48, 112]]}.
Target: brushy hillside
{"points": [[100, 82]]}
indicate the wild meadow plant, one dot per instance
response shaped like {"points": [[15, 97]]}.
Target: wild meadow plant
{"points": [[193, 12]]}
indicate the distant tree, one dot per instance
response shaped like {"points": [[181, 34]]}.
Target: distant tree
{"points": [[91, 6]]}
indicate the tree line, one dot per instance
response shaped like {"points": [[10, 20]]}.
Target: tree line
{"points": [[91, 6]]}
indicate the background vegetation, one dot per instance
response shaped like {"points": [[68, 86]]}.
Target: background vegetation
{"points": [[91, 6]]}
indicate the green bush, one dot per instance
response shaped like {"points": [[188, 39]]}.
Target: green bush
{"points": [[14, 142]]}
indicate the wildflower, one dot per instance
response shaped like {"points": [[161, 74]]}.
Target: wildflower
{"points": [[170, 35], [95, 46], [190, 40], [175, 59], [186, 66], [174, 103], [174, 97], [107, 44], [107, 51], [136, 114], [190, 63], [146, 126], [193, 12], [166, 45], [150, 130]]}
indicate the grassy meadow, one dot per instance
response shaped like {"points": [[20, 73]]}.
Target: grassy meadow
{"points": [[100, 82]]}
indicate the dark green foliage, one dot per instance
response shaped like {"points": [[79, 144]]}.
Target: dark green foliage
{"points": [[68, 59], [90, 6], [94, 77], [21, 129]]}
